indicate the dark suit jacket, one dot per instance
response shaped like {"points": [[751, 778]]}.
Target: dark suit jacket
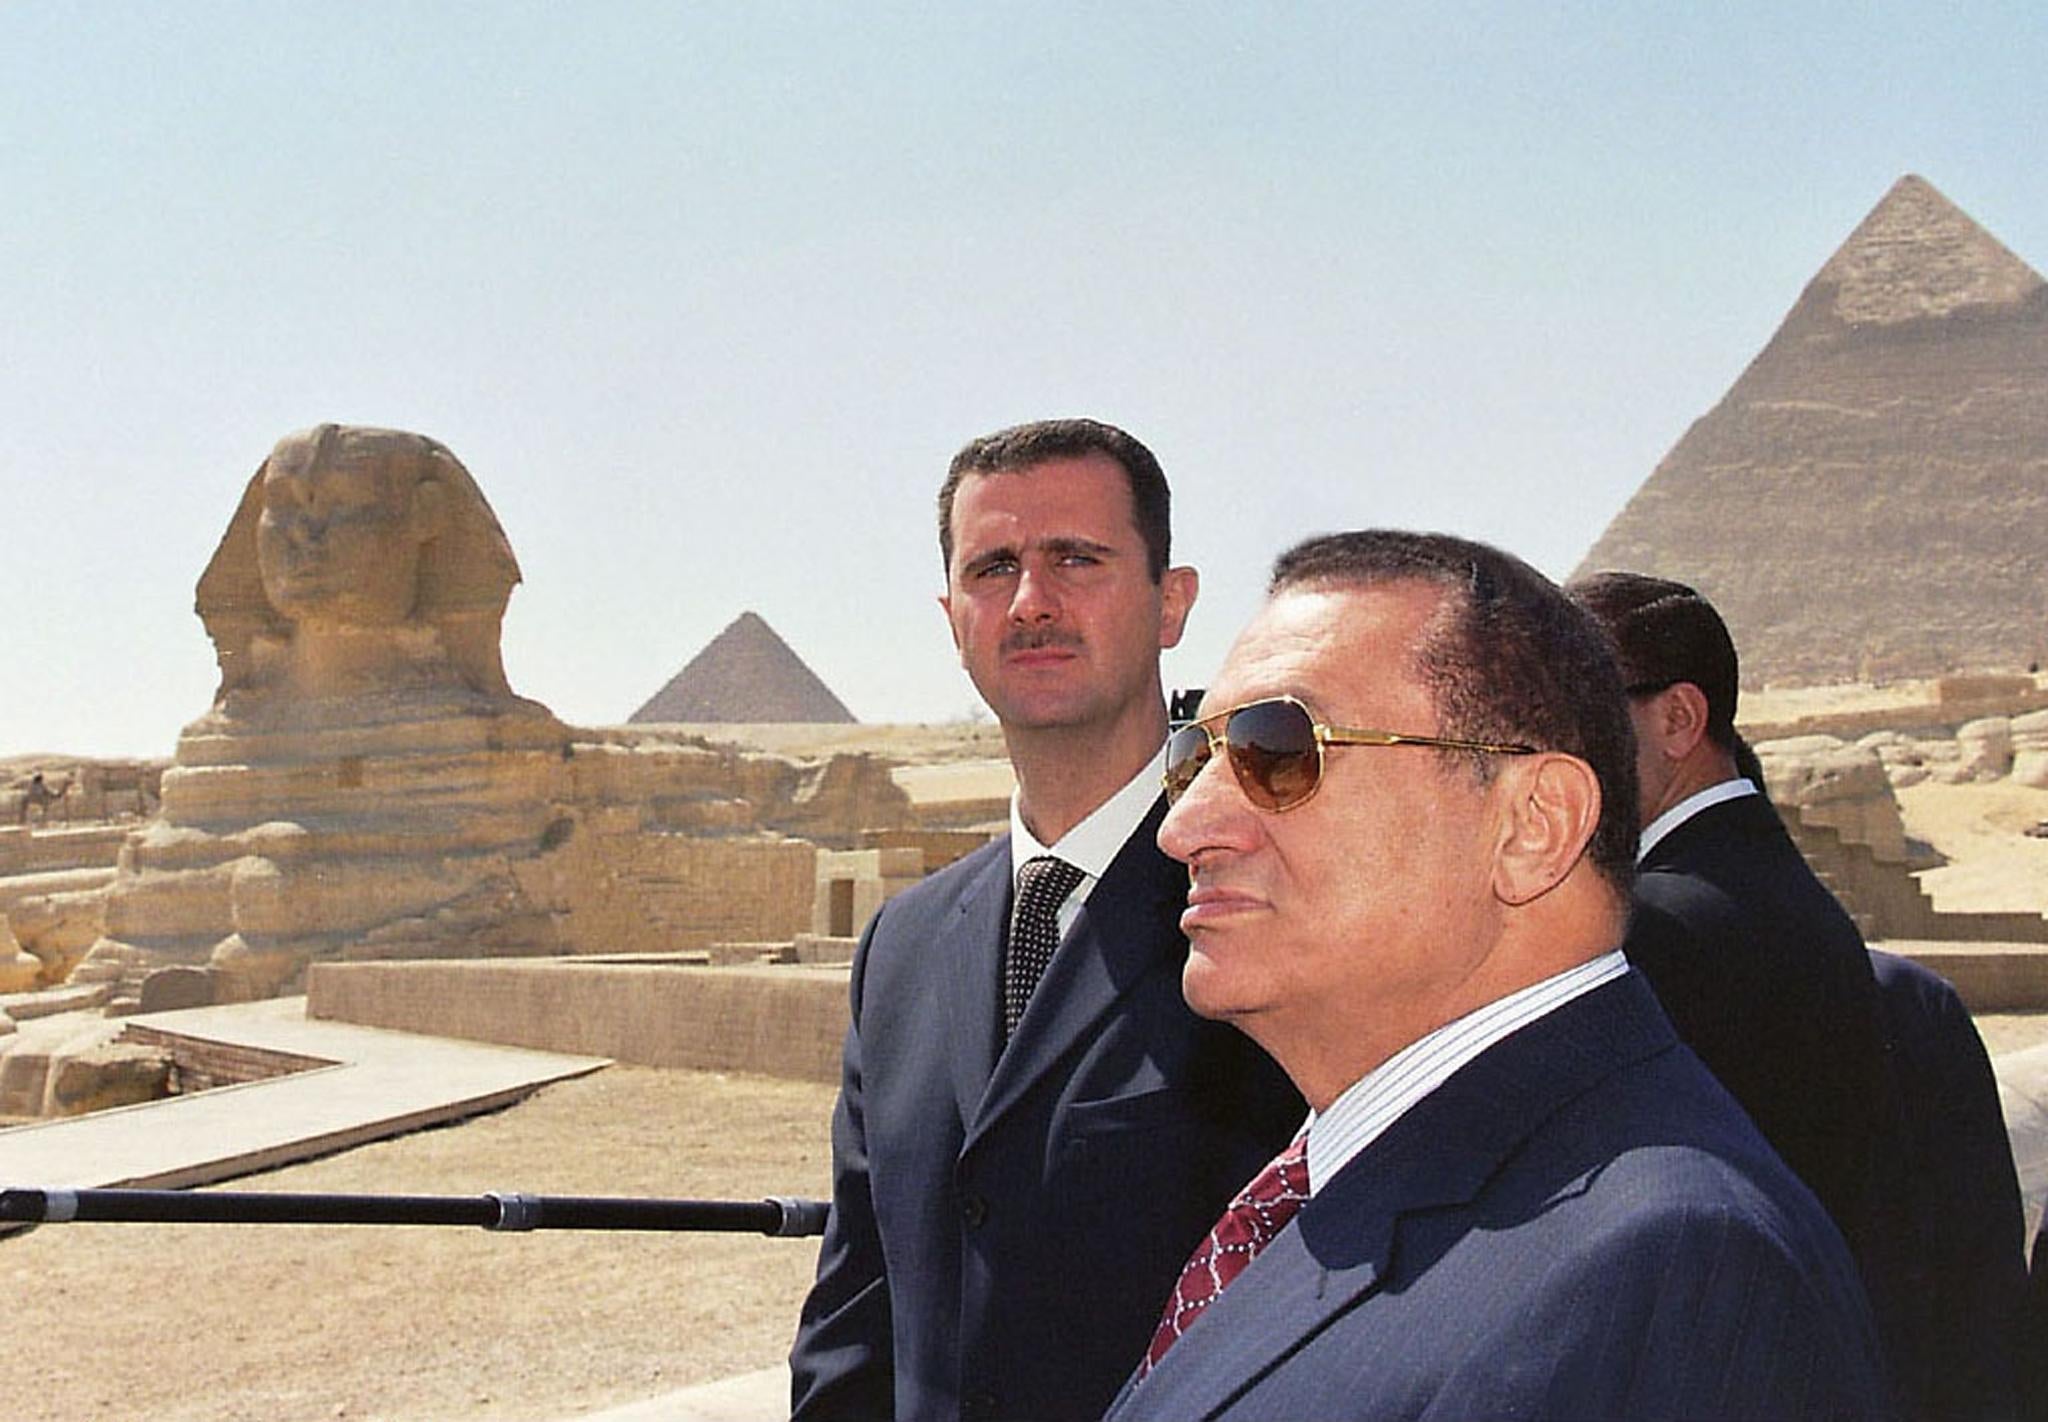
{"points": [[2033, 1335], [1579, 1224], [1947, 1267], [1766, 978], [1004, 1232]]}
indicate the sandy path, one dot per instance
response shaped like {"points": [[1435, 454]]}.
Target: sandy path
{"points": [[275, 1323]]}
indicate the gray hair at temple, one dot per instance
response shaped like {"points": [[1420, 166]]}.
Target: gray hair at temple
{"points": [[1510, 660]]}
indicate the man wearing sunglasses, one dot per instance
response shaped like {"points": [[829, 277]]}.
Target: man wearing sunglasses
{"points": [[1862, 1069], [1033, 1130], [1408, 816]]}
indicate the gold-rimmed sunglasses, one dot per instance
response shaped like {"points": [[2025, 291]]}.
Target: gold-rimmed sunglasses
{"points": [[1275, 749]]}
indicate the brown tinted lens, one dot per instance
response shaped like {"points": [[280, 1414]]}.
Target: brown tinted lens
{"points": [[1273, 751], [1187, 751]]}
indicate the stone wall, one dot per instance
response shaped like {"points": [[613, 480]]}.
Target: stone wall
{"points": [[623, 888], [778, 1021]]}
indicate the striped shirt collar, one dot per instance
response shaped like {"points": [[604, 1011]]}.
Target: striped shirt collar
{"points": [[1362, 1114], [1691, 805]]}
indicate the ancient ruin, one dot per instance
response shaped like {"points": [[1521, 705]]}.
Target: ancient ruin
{"points": [[746, 674], [1868, 499], [367, 786]]}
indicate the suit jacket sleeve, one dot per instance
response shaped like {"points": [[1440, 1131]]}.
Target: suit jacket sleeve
{"points": [[842, 1364]]}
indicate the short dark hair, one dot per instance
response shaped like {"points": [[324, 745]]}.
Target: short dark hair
{"points": [[1022, 447], [1510, 660], [1665, 632]]}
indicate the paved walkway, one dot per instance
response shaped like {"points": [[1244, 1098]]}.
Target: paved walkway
{"points": [[381, 1084]]}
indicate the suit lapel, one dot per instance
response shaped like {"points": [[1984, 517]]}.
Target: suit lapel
{"points": [[977, 926], [1124, 926], [1340, 1247]]}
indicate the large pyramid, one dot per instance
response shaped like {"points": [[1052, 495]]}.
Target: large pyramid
{"points": [[745, 674], [1870, 499]]}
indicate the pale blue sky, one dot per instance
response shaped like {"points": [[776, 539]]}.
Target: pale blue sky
{"points": [[705, 296]]}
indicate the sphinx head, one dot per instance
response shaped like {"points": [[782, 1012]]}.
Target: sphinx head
{"points": [[348, 515], [347, 529]]}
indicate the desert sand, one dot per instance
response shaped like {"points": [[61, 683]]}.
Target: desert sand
{"points": [[212, 1323]]}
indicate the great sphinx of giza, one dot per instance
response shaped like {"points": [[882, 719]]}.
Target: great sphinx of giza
{"points": [[365, 780]]}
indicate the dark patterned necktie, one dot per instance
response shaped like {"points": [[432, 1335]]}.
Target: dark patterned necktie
{"points": [[1043, 884], [1260, 1211]]}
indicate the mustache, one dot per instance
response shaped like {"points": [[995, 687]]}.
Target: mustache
{"points": [[1030, 639]]}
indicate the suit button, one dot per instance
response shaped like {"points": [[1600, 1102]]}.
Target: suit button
{"points": [[979, 1404], [973, 1209]]}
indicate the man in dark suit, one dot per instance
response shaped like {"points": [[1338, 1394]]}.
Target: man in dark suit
{"points": [[1946, 1266], [1861, 1069], [1519, 1195], [1762, 972], [1019, 1170]]}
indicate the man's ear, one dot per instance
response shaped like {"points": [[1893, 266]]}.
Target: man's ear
{"points": [[1177, 590], [1678, 717], [946, 606], [1552, 805]]}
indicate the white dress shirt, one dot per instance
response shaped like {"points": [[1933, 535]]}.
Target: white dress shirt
{"points": [[1090, 845], [1691, 805]]}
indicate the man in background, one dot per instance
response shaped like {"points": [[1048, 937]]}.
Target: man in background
{"points": [[1033, 1130], [1761, 970], [1862, 1069]]}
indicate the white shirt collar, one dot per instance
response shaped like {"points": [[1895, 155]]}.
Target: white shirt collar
{"points": [[1691, 805], [1090, 845], [1366, 1108]]}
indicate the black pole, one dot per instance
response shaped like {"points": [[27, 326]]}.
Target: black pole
{"points": [[511, 1210]]}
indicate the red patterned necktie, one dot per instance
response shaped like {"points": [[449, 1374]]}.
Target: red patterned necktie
{"points": [[1260, 1211]]}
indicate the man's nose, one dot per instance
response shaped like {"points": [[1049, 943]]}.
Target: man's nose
{"points": [[1211, 813], [1034, 600]]}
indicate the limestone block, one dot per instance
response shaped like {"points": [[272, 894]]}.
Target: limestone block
{"points": [[22, 1078], [179, 986], [111, 1074], [2030, 749], [172, 904], [239, 971], [58, 929], [19, 971], [1950, 690], [1841, 786], [342, 897], [1984, 748]]}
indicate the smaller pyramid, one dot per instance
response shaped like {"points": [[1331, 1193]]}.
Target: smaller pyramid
{"points": [[746, 674]]}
